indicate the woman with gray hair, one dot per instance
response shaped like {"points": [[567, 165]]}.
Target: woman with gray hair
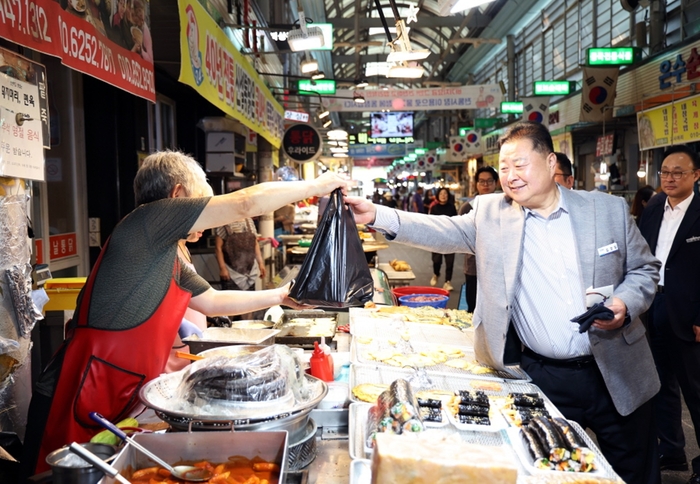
{"points": [[132, 304]]}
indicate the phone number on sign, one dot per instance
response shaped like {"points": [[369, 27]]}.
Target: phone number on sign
{"points": [[85, 47], [29, 18]]}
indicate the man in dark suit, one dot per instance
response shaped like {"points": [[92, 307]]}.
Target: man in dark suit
{"points": [[671, 225]]}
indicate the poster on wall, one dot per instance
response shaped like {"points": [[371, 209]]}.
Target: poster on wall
{"points": [[107, 39], [24, 117], [669, 124]]}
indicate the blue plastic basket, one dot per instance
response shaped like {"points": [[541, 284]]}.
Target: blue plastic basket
{"points": [[440, 302]]}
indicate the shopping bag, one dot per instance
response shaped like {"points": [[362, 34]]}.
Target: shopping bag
{"points": [[335, 273]]}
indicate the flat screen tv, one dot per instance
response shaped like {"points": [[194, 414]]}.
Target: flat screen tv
{"points": [[391, 125]]}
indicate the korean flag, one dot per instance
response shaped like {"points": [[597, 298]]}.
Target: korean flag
{"points": [[536, 109], [473, 142], [598, 94], [457, 149]]}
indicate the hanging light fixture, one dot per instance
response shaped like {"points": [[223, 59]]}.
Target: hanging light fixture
{"points": [[304, 38], [358, 98], [327, 123], [309, 65], [318, 75], [323, 112], [361, 83]]}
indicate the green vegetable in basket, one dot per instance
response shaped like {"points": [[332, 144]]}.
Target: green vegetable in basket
{"points": [[108, 438]]}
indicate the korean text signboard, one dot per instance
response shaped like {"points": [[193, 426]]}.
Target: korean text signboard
{"points": [[670, 124], [450, 98], [302, 143], [219, 73], [24, 118], [112, 44]]}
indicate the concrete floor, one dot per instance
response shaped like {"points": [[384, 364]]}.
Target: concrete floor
{"points": [[422, 267]]}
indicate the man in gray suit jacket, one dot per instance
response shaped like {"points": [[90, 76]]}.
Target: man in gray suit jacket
{"points": [[540, 249]]}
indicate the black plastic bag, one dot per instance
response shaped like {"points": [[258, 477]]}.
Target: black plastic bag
{"points": [[335, 273]]}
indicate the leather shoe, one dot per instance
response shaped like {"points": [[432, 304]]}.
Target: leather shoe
{"points": [[694, 479], [667, 463]]}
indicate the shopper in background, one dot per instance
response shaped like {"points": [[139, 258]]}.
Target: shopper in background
{"points": [[671, 225], [564, 174], [133, 302], [444, 206], [539, 247], [429, 200], [417, 201], [239, 257], [388, 200], [486, 179], [639, 203]]}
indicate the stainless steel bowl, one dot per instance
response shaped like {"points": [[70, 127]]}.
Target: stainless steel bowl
{"points": [[62, 474]]}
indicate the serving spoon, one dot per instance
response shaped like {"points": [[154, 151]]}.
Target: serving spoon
{"points": [[97, 462], [186, 473]]}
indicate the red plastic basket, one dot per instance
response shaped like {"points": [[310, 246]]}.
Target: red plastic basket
{"points": [[408, 290]]}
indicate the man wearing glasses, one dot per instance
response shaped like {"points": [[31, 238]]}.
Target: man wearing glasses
{"points": [[563, 175], [539, 247], [671, 225], [486, 179]]}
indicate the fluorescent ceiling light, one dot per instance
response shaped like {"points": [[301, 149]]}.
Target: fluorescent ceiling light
{"points": [[358, 98], [337, 134], [309, 65], [318, 75], [359, 84], [312, 39], [327, 123], [447, 7], [342, 143], [376, 69], [339, 150], [323, 114], [412, 55], [340, 155], [409, 72]]}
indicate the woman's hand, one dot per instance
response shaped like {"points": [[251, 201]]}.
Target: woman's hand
{"points": [[287, 301], [364, 210]]}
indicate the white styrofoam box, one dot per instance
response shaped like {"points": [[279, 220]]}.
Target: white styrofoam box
{"points": [[220, 141], [221, 162]]}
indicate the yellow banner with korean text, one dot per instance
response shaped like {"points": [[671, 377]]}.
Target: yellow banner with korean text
{"points": [[218, 72], [670, 124]]}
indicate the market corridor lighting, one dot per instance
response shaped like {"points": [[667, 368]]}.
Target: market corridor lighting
{"points": [[327, 123], [337, 134], [455, 6], [305, 38], [309, 65], [361, 83], [318, 75], [323, 114], [403, 70], [358, 98]]}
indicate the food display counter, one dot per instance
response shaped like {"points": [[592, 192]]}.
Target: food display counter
{"points": [[407, 371]]}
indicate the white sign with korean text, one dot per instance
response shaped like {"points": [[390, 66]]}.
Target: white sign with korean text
{"points": [[21, 150], [443, 98]]}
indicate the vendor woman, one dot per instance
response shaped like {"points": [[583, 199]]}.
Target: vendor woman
{"points": [[132, 304]]}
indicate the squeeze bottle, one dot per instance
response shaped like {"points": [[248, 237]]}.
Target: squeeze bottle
{"points": [[319, 364]]}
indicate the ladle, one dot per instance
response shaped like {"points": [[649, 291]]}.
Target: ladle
{"points": [[186, 473]]}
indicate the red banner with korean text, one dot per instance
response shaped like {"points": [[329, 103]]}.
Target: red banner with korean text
{"points": [[106, 39]]}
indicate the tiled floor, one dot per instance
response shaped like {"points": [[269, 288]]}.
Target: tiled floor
{"points": [[422, 267]]}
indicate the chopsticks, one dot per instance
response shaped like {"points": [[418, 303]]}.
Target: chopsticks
{"points": [[188, 356]]}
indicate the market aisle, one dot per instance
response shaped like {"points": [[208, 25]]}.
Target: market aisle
{"points": [[423, 269]]}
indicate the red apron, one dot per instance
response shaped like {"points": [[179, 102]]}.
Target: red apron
{"points": [[103, 370]]}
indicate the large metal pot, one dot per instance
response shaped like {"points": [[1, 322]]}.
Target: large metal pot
{"points": [[89, 474]]}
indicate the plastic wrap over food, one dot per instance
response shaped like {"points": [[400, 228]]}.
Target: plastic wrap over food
{"points": [[18, 281], [265, 382], [254, 377]]}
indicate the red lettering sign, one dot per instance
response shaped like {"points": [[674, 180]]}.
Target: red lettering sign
{"points": [[78, 35], [62, 246]]}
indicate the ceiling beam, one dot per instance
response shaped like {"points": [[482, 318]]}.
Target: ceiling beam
{"points": [[477, 21]]}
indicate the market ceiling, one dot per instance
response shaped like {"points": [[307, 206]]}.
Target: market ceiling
{"points": [[456, 42]]}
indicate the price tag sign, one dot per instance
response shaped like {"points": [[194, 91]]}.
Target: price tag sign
{"points": [[21, 148]]}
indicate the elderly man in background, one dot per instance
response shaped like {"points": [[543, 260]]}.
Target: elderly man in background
{"points": [[564, 174], [539, 247]]}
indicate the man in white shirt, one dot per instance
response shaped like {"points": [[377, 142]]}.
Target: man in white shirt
{"points": [[671, 225]]}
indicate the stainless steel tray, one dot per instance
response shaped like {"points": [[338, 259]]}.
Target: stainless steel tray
{"points": [[358, 349], [395, 329], [216, 337]]}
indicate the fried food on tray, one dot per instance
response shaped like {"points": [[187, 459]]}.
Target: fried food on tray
{"points": [[400, 265], [369, 392]]}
